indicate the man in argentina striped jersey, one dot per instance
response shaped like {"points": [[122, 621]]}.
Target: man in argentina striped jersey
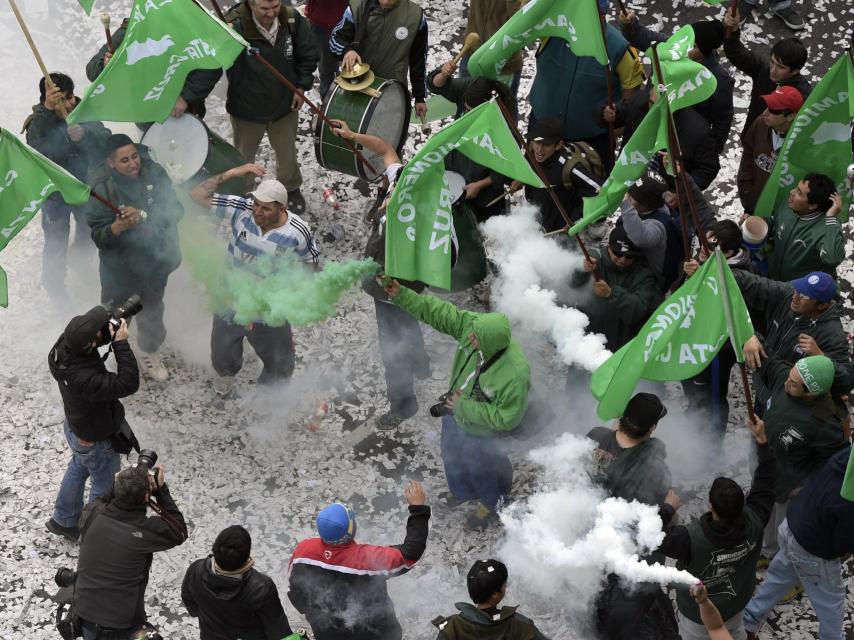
{"points": [[261, 225]]}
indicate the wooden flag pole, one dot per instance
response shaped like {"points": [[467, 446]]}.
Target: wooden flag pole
{"points": [[105, 20], [218, 10], [612, 138], [105, 202], [62, 110]]}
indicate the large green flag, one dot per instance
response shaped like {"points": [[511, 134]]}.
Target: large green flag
{"points": [[847, 491], [688, 82], [818, 140], [87, 5], [576, 21], [649, 138], [164, 42], [419, 214], [27, 178], [679, 340]]}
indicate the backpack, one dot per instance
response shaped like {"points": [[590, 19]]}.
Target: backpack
{"points": [[582, 158]]}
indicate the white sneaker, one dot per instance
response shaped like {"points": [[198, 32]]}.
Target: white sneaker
{"points": [[223, 385], [153, 367]]}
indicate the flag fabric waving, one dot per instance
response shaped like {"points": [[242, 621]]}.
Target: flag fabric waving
{"points": [[679, 340], [87, 5], [688, 82], [27, 178], [419, 215], [648, 138], [847, 490], [576, 21], [163, 43], [818, 140]]}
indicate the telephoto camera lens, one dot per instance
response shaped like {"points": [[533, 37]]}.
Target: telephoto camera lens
{"points": [[147, 458], [65, 577], [128, 308]]}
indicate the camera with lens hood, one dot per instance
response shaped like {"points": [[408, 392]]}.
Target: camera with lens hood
{"points": [[147, 458], [440, 408], [124, 310]]}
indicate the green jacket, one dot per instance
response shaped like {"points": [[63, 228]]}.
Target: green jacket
{"points": [[499, 399], [803, 433], [472, 623], [801, 244], [634, 296], [149, 251], [783, 328]]}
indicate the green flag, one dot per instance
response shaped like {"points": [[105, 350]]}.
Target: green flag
{"points": [[164, 41], [716, 3], [87, 5], [688, 82], [847, 491], [419, 214], [679, 340], [576, 21], [818, 140], [27, 178], [648, 138]]}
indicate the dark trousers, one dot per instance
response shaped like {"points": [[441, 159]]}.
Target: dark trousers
{"points": [[403, 354], [56, 225], [152, 331], [328, 66], [707, 391], [476, 468], [274, 345]]}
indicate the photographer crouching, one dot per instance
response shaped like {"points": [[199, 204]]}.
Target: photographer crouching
{"points": [[95, 425], [118, 540], [488, 396]]}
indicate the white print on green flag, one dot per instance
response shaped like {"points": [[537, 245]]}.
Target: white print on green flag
{"points": [[27, 178], [819, 140], [688, 82], [679, 340], [419, 216], [164, 42], [576, 21], [649, 138], [87, 5]]}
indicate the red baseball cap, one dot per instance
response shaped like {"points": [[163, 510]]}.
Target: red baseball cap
{"points": [[784, 98]]}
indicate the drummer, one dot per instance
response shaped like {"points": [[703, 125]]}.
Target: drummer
{"points": [[399, 334]]}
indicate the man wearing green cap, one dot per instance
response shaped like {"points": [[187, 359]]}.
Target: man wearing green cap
{"points": [[488, 395], [803, 425]]}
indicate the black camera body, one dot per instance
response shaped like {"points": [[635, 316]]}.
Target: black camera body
{"points": [[124, 310], [440, 408], [65, 577]]}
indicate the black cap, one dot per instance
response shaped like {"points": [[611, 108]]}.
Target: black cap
{"points": [[644, 410], [620, 244], [547, 130], [84, 329], [649, 191], [708, 35]]}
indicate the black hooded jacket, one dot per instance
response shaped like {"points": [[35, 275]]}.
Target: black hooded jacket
{"points": [[90, 393], [228, 608]]}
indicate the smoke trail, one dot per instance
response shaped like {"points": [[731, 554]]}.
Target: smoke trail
{"points": [[278, 289], [562, 541], [529, 262]]}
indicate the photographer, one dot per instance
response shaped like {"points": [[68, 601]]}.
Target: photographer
{"points": [[117, 543], [488, 395], [93, 413]]}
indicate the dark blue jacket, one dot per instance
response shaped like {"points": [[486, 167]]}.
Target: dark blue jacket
{"points": [[820, 519]]}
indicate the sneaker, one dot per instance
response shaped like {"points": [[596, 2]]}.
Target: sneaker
{"points": [[69, 533], [794, 593], [450, 500], [296, 202], [390, 420], [153, 367], [223, 385], [790, 18], [482, 518]]}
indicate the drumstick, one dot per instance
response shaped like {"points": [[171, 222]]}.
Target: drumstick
{"points": [[472, 42], [509, 192], [105, 20], [424, 128]]}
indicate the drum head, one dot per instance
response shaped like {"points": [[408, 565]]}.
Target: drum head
{"points": [[387, 120], [180, 145], [456, 185]]}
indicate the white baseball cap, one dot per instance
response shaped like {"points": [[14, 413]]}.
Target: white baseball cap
{"points": [[270, 191]]}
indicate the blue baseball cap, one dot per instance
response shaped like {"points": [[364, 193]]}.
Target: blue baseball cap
{"points": [[336, 524], [816, 285]]}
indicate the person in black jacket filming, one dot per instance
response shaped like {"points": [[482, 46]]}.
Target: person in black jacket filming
{"points": [[94, 414]]}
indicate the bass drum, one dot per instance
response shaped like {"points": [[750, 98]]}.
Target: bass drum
{"points": [[385, 116], [190, 153]]}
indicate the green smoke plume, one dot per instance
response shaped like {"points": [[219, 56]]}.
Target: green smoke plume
{"points": [[279, 289]]}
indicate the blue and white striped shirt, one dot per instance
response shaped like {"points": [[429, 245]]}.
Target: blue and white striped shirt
{"points": [[247, 242]]}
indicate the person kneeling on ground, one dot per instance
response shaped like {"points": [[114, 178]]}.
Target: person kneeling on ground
{"points": [[488, 395]]}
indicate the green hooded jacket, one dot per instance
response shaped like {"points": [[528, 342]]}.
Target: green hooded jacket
{"points": [[500, 398], [802, 244]]}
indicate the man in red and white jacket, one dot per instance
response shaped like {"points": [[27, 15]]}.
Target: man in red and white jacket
{"points": [[339, 585]]}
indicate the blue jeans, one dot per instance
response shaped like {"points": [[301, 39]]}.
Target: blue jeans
{"points": [[56, 225], [822, 581], [475, 466], [99, 462]]}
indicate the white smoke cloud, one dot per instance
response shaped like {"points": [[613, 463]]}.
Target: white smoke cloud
{"points": [[529, 265], [560, 543]]}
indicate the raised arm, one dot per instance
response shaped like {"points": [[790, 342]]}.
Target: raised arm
{"points": [[203, 192]]}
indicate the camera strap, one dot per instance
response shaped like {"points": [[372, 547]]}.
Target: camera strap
{"points": [[477, 372]]}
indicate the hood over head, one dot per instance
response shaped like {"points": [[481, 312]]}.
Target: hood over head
{"points": [[493, 333]]}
